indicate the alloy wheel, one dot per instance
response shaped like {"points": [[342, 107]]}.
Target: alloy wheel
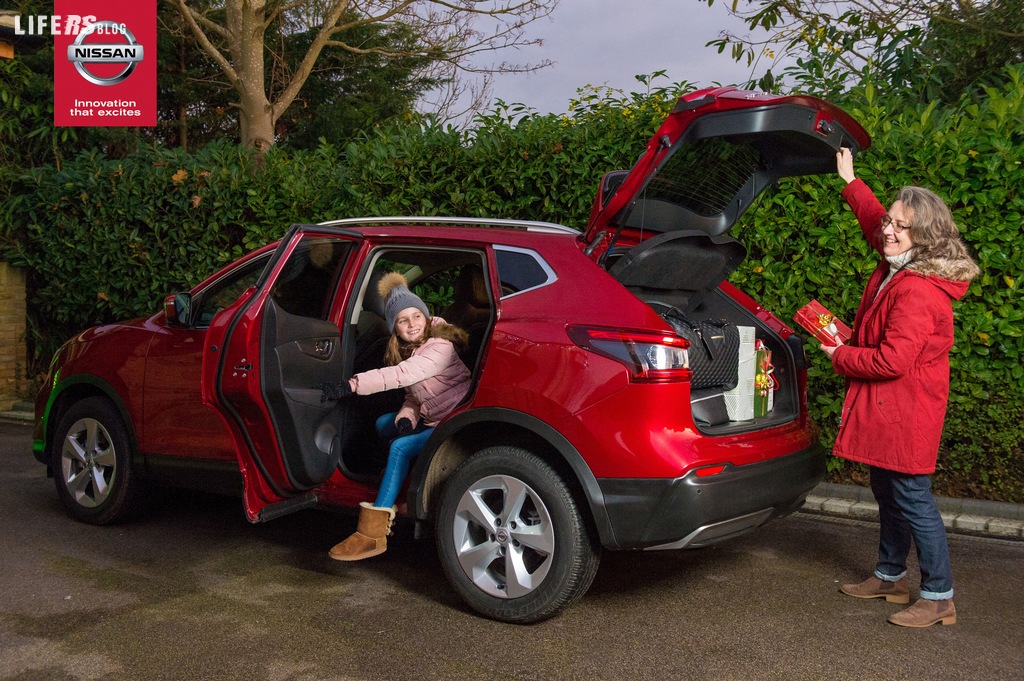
{"points": [[504, 536]]}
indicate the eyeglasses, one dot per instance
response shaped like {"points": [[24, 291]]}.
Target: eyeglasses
{"points": [[896, 227]]}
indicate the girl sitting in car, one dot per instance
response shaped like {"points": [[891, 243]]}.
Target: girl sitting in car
{"points": [[422, 357]]}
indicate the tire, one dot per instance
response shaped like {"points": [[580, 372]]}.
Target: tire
{"points": [[505, 512], [92, 464]]}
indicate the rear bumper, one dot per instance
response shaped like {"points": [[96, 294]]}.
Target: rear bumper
{"points": [[694, 511]]}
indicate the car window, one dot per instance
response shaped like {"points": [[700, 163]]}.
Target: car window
{"points": [[431, 273], [520, 270], [226, 290], [309, 279], [705, 176]]}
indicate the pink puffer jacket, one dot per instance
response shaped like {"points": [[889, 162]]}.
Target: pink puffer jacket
{"points": [[434, 378]]}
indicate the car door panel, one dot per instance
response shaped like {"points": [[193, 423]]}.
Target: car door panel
{"points": [[293, 372], [264, 360]]}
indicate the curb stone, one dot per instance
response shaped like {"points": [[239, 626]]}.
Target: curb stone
{"points": [[976, 517]]}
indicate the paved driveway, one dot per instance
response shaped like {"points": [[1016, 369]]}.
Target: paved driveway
{"points": [[193, 591]]}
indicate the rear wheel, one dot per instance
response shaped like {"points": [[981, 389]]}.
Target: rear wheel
{"points": [[511, 537], [92, 463]]}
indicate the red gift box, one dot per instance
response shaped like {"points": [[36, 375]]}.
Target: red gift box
{"points": [[822, 324]]}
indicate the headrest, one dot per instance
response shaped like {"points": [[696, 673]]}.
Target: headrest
{"points": [[470, 287], [372, 300]]}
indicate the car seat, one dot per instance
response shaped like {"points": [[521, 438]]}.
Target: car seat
{"points": [[372, 332], [470, 309]]}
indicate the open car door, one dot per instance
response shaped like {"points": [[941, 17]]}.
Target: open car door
{"points": [[265, 358]]}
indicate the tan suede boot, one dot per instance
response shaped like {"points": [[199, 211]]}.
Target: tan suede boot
{"points": [[873, 587], [925, 613], [370, 537]]}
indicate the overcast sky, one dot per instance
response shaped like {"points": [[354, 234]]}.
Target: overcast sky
{"points": [[608, 42]]}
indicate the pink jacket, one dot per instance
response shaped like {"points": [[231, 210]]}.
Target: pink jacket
{"points": [[897, 363], [434, 378]]}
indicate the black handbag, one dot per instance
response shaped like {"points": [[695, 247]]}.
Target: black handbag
{"points": [[714, 348]]}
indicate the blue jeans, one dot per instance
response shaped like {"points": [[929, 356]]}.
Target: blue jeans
{"points": [[403, 450], [907, 510]]}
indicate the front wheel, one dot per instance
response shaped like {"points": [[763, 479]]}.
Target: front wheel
{"points": [[92, 463], [511, 538]]}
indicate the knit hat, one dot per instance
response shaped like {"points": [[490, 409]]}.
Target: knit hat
{"points": [[394, 289]]}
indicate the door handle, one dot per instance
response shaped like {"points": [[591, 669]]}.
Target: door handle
{"points": [[323, 348], [319, 348]]}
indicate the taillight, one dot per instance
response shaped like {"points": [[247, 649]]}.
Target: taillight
{"points": [[650, 357]]}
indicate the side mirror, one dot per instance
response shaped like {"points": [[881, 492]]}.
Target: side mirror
{"points": [[178, 309]]}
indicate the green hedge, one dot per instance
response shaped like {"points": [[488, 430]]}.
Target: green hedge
{"points": [[805, 243], [106, 239]]}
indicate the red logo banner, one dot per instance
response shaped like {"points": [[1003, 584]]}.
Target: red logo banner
{"points": [[104, 63]]}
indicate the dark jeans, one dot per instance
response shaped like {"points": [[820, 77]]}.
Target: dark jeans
{"points": [[907, 510]]}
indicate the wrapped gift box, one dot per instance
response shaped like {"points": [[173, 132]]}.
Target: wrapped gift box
{"points": [[764, 381], [822, 324], [739, 401]]}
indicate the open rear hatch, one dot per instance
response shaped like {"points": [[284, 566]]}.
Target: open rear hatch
{"points": [[660, 228], [712, 157]]}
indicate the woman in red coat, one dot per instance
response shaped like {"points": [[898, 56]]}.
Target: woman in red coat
{"points": [[897, 370]]}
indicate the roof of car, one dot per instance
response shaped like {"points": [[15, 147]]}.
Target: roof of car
{"points": [[446, 221]]}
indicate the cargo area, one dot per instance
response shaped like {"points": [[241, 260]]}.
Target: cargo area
{"points": [[679, 275]]}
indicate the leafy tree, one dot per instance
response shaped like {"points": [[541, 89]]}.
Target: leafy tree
{"points": [[347, 93], [234, 33], [965, 47], [936, 50], [193, 97]]}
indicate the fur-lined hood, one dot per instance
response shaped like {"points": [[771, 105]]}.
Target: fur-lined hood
{"points": [[449, 332], [954, 269], [952, 276]]}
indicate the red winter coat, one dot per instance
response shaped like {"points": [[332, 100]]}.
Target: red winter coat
{"points": [[897, 363]]}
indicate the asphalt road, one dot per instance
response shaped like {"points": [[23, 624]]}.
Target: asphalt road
{"points": [[192, 591]]}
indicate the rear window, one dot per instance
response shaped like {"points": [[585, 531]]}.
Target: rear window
{"points": [[704, 177]]}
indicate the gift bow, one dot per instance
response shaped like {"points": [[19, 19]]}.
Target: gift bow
{"points": [[764, 379]]}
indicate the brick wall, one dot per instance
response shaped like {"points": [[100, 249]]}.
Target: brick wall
{"points": [[12, 335]]}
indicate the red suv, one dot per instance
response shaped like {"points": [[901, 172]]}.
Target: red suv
{"points": [[582, 430]]}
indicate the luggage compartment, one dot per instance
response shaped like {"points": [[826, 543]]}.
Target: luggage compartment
{"points": [[684, 269]]}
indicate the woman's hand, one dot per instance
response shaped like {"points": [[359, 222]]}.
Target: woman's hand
{"points": [[844, 165], [830, 350]]}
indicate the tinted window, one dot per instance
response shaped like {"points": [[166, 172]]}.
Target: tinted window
{"points": [[309, 279], [226, 290], [705, 176], [521, 270]]}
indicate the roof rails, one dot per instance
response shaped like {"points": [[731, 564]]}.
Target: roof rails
{"points": [[528, 225]]}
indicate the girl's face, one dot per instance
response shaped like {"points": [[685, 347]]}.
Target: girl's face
{"points": [[896, 230], [410, 324]]}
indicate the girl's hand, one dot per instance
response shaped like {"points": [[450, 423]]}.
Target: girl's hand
{"points": [[335, 391], [404, 426], [844, 165]]}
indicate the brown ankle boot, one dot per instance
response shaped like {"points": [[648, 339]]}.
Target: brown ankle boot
{"points": [[873, 587], [370, 537], [925, 613]]}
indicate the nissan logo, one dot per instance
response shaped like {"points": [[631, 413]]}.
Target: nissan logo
{"points": [[129, 54]]}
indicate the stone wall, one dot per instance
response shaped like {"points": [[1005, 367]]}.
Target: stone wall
{"points": [[13, 359]]}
